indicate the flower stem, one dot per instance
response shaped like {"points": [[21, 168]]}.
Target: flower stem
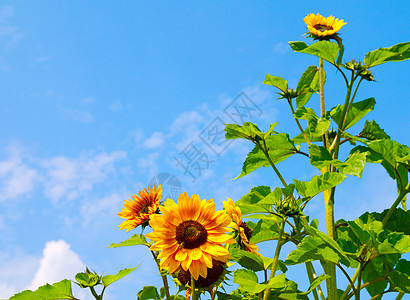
{"points": [[193, 292], [265, 150], [297, 121], [276, 258], [402, 194], [164, 277], [96, 296]]}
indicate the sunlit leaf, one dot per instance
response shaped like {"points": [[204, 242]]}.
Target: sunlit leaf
{"points": [[372, 131], [148, 292], [279, 148], [277, 82], [308, 81], [318, 184], [309, 249], [397, 52], [323, 49], [108, 279], [264, 230], [59, 290], [247, 131], [136, 239], [249, 203], [356, 112]]}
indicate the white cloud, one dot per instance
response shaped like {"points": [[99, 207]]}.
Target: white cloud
{"points": [[76, 115], [149, 164], [99, 208], [17, 178], [58, 262], [116, 106], [68, 177], [16, 269], [154, 141]]}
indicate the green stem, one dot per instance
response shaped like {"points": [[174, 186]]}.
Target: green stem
{"points": [[359, 282], [266, 152], [96, 296], [164, 277], [275, 258], [402, 194], [193, 292], [312, 277], [349, 287], [335, 145], [400, 296], [297, 122], [348, 278]]}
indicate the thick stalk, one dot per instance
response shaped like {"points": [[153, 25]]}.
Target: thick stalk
{"points": [[164, 277], [329, 199], [275, 259], [322, 97], [400, 296]]}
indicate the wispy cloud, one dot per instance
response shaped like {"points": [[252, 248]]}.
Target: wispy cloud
{"points": [[154, 141], [69, 177], [17, 177], [76, 115]]}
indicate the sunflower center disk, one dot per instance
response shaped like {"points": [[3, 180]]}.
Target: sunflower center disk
{"points": [[247, 230], [322, 28], [144, 210], [191, 234]]}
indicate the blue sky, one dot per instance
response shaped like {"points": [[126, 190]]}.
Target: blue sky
{"points": [[97, 98]]}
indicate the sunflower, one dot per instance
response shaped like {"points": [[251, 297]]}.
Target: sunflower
{"points": [[321, 27], [138, 210], [245, 233], [189, 235]]}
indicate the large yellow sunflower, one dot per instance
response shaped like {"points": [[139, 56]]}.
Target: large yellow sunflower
{"points": [[244, 232], [138, 210], [321, 27], [190, 235]]}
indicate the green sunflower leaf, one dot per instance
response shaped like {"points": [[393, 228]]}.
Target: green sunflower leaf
{"points": [[247, 131], [279, 148], [136, 239], [264, 230], [108, 279], [148, 292], [356, 112], [397, 52], [309, 249], [372, 131], [307, 85], [277, 82], [59, 290], [323, 49], [318, 184]]}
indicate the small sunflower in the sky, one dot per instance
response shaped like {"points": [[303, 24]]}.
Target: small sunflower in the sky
{"points": [[323, 28], [138, 210]]}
